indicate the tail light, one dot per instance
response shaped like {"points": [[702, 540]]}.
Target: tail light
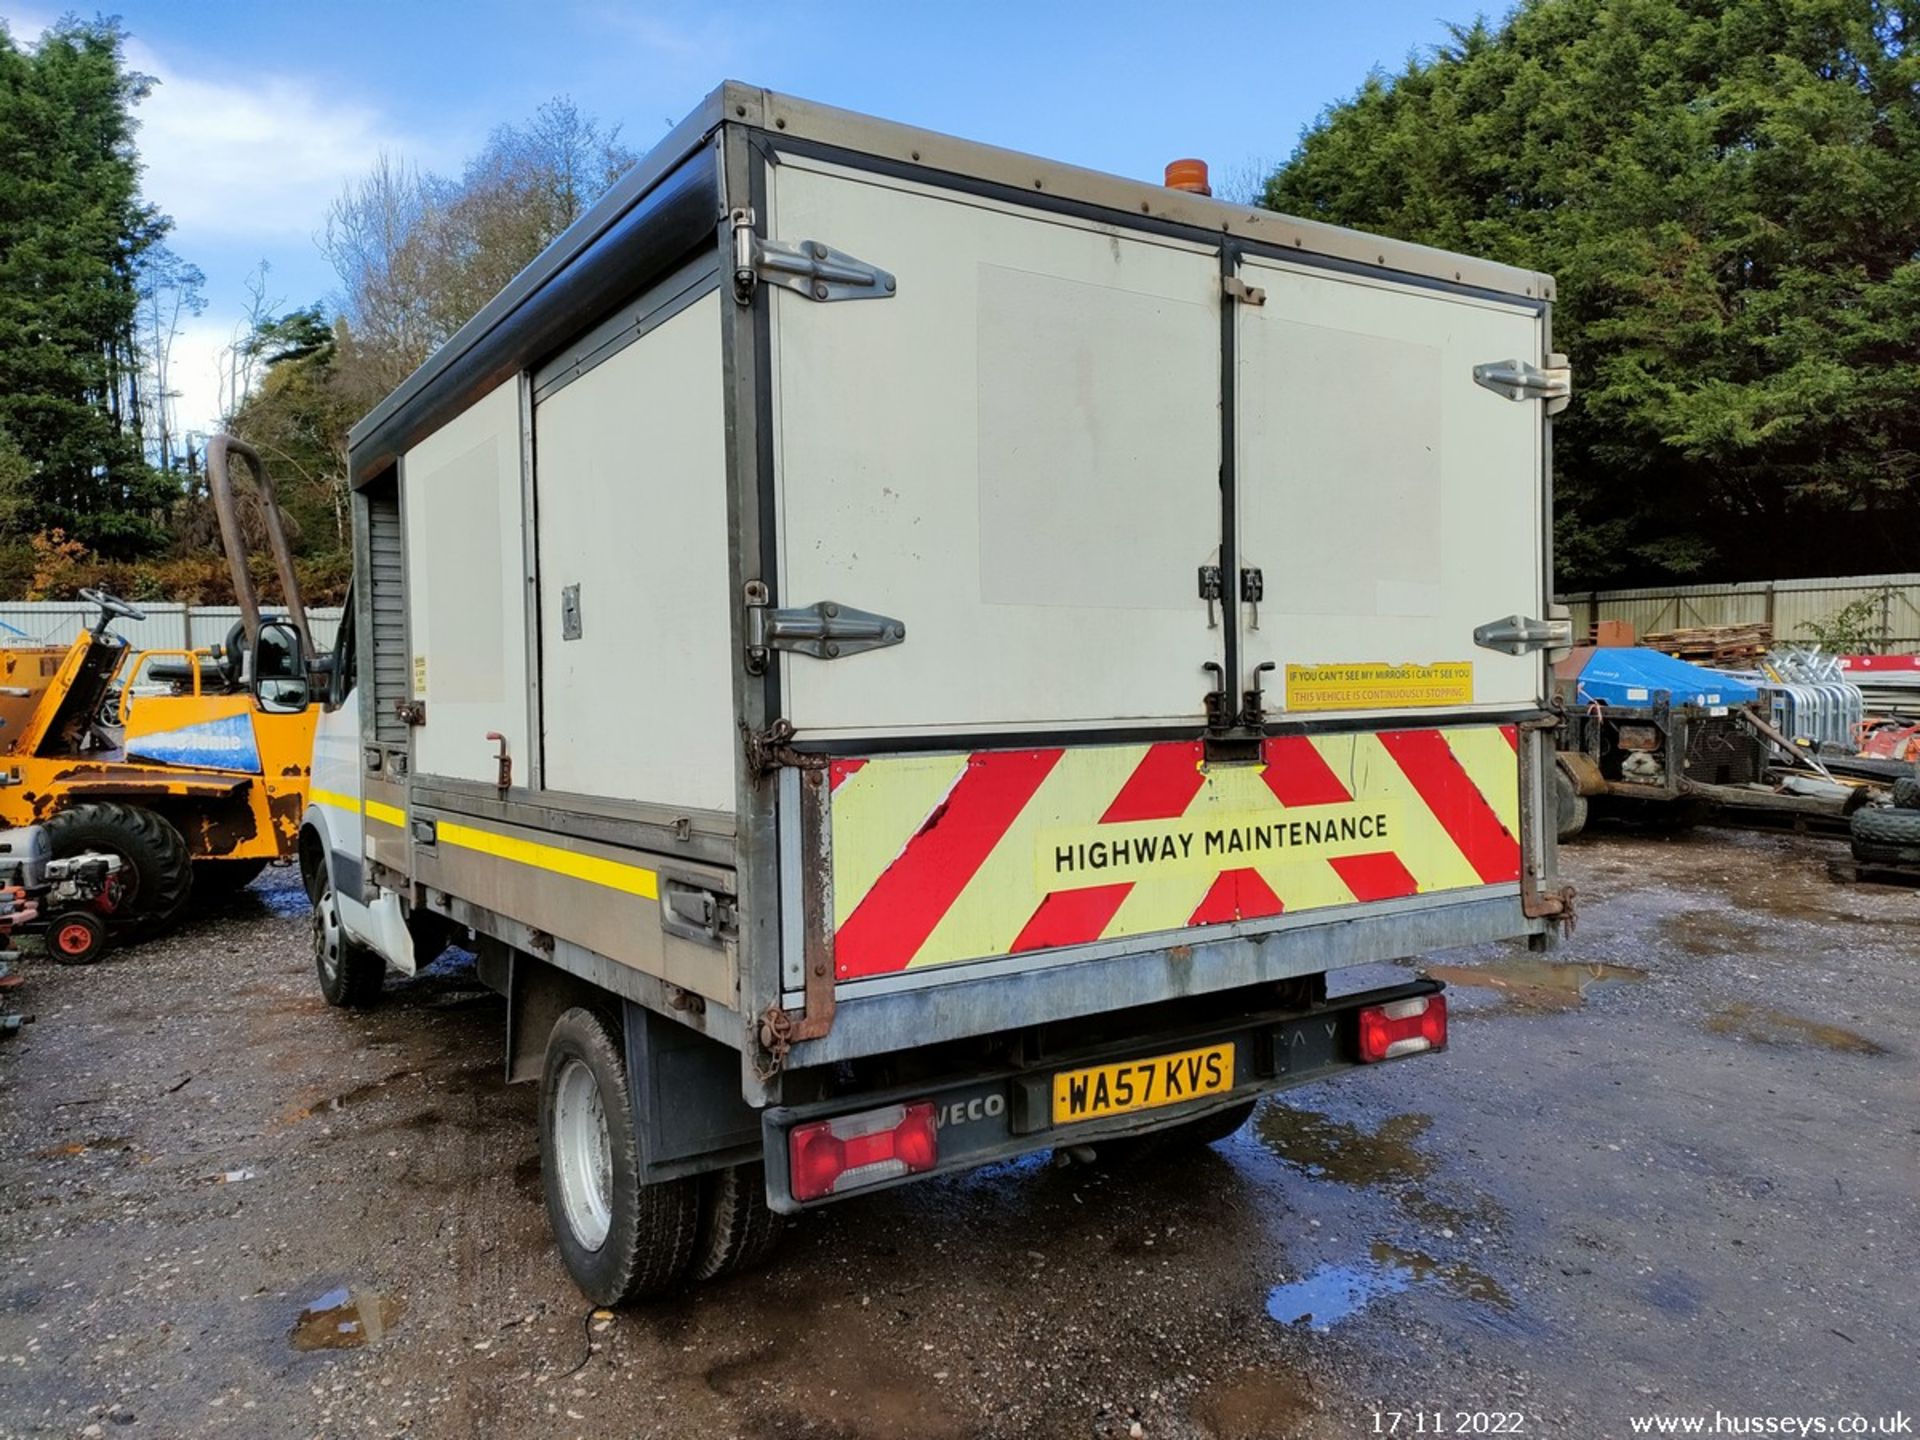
{"points": [[831, 1157], [1406, 1027]]}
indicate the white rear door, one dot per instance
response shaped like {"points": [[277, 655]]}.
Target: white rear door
{"points": [[1016, 455], [1390, 503]]}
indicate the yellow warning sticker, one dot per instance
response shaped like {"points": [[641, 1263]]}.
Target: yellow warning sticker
{"points": [[420, 676], [1379, 687]]}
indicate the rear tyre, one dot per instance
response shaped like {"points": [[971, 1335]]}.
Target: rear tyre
{"points": [[77, 937], [350, 974], [1906, 792], [155, 876], [217, 879], [1185, 1137], [621, 1240], [737, 1230]]}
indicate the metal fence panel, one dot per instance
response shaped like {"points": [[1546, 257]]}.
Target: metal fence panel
{"points": [[1788, 605], [167, 626]]}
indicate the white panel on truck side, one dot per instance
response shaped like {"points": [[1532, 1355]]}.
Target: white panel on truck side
{"points": [[630, 475], [1016, 455], [1391, 503], [466, 589]]}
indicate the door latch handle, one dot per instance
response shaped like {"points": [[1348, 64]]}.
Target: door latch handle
{"points": [[1253, 586], [1211, 591]]}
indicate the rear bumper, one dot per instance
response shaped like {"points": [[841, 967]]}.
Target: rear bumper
{"points": [[985, 1118], [921, 1008]]}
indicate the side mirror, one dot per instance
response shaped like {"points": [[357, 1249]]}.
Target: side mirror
{"points": [[279, 668]]}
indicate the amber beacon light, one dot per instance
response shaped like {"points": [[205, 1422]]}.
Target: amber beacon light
{"points": [[1188, 175]]}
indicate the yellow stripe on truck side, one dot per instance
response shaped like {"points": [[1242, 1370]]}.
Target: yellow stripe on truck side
{"points": [[613, 874], [372, 809]]}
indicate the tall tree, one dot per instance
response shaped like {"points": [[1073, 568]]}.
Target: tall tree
{"points": [[1728, 192], [74, 234], [418, 254]]}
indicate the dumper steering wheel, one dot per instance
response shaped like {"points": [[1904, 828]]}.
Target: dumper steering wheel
{"points": [[111, 607]]}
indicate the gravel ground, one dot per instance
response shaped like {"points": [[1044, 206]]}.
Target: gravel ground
{"points": [[1678, 1173]]}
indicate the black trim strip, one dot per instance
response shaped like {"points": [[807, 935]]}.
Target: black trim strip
{"points": [[1234, 682], [1147, 734], [666, 226], [760, 159]]}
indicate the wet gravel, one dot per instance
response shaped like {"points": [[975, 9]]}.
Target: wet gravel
{"points": [[1675, 1172]]}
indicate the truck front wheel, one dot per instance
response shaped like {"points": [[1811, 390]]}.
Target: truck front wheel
{"points": [[622, 1240], [350, 974]]}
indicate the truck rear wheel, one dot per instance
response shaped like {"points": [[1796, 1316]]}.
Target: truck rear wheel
{"points": [[737, 1230], [155, 876], [622, 1240]]}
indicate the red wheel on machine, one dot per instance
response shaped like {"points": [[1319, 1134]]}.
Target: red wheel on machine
{"points": [[77, 938]]}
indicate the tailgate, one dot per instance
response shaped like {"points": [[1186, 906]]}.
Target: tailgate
{"points": [[959, 858]]}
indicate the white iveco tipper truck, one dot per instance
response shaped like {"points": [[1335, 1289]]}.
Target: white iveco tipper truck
{"points": [[904, 654]]}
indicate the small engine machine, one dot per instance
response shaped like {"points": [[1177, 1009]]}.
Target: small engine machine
{"points": [[67, 900]]}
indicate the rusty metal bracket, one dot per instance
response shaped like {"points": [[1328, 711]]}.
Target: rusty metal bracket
{"points": [[503, 779], [411, 712], [772, 749], [1537, 903], [781, 1029]]}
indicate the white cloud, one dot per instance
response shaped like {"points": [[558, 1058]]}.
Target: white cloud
{"points": [[250, 156], [197, 371]]}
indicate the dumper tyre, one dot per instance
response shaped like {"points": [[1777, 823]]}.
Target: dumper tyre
{"points": [[156, 873], [1887, 835], [1906, 792], [737, 1230], [351, 975], [621, 1239], [217, 879]]}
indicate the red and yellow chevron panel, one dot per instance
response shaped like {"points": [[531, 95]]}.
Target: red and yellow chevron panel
{"points": [[939, 859]]}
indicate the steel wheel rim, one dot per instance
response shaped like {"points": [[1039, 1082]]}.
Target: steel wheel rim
{"points": [[583, 1154], [326, 935]]}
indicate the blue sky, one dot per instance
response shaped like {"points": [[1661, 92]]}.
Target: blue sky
{"points": [[266, 108]]}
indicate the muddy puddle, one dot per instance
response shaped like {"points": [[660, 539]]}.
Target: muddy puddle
{"points": [[1336, 1150], [353, 1096], [345, 1319], [1529, 982], [1337, 1291], [1746, 1021]]}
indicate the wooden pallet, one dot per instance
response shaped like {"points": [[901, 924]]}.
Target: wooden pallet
{"points": [[1713, 644], [1874, 872]]}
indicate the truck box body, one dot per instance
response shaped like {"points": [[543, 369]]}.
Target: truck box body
{"points": [[861, 590]]}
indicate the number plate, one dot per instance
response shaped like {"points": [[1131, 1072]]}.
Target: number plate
{"points": [[1104, 1090]]}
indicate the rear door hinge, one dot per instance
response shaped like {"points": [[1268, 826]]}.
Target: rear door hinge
{"points": [[810, 268], [1519, 380], [1521, 634], [1234, 288], [826, 630]]}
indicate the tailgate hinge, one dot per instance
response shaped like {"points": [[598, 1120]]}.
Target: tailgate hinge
{"points": [[1519, 634], [825, 630], [1519, 380], [810, 268], [1234, 288]]}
